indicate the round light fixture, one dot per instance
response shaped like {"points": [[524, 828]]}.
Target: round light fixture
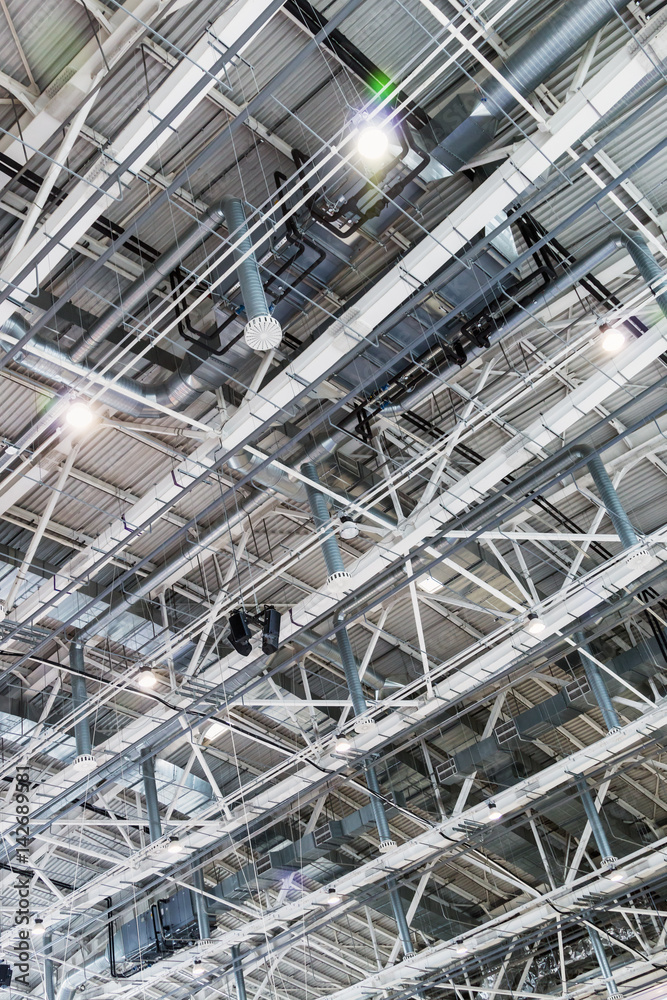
{"points": [[333, 897], [174, 846], [146, 679], [494, 812], [348, 528], [342, 745], [615, 875], [198, 968], [461, 948], [372, 142], [612, 339], [79, 416], [534, 624]]}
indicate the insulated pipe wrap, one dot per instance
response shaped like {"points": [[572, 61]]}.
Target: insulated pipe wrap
{"points": [[561, 34], [593, 818], [84, 747], [648, 267], [611, 501], [338, 577], [261, 331]]}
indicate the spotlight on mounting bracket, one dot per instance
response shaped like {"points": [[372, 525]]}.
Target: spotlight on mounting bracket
{"points": [[239, 632], [270, 630]]}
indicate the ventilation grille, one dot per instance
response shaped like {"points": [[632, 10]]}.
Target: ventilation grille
{"points": [[446, 770], [60, 82], [578, 688], [263, 864], [506, 732], [322, 835]]}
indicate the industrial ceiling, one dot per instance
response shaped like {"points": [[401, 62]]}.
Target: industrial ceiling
{"points": [[333, 530]]}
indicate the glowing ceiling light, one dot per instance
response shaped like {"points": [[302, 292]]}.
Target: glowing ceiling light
{"points": [[342, 745], [372, 142], [612, 339], [494, 812], [333, 897], [146, 679], [535, 625], [79, 416]]}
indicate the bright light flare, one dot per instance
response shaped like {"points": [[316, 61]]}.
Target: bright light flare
{"points": [[613, 340], [79, 416], [146, 679], [372, 142]]}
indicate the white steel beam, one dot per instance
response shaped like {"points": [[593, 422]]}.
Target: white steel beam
{"points": [[532, 158], [73, 85]]}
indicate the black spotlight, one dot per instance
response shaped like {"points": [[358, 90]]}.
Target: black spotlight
{"points": [[240, 634], [5, 975], [270, 630]]}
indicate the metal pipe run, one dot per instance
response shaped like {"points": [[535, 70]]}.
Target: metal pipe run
{"points": [[593, 817], [203, 922], [239, 978], [84, 747], [336, 570], [49, 984], [469, 122], [138, 293], [603, 962], [150, 794], [262, 332]]}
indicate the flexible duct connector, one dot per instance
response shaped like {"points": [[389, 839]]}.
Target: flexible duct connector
{"points": [[261, 331], [336, 567], [647, 266], [73, 979], [593, 818], [598, 685], [338, 580], [150, 794], [84, 747], [137, 294]]}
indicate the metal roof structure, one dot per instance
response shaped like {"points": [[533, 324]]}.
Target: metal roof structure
{"points": [[333, 427]]}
